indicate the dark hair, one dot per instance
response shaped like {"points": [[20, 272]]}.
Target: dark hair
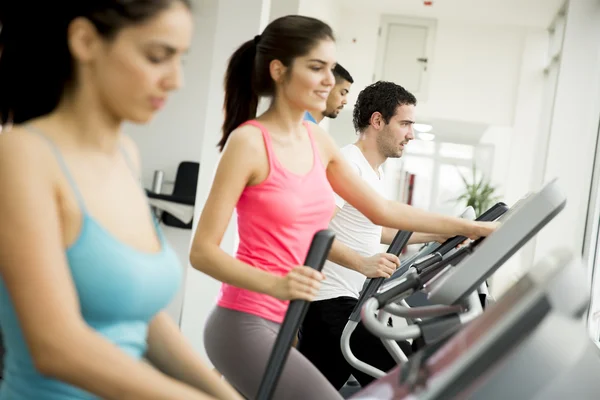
{"points": [[383, 97], [341, 73], [248, 77], [36, 65]]}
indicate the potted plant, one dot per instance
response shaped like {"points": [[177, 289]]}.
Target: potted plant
{"points": [[478, 193]]}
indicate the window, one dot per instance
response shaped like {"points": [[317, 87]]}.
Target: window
{"points": [[415, 36], [556, 33], [421, 147], [591, 249], [454, 150], [450, 187], [437, 167]]}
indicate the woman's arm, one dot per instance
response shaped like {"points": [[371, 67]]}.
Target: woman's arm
{"points": [[237, 168], [170, 352], [388, 234], [41, 289], [393, 214]]}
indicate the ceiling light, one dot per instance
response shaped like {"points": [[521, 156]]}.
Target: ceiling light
{"points": [[427, 137], [422, 127]]}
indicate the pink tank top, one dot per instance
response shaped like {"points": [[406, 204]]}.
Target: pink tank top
{"points": [[276, 223]]}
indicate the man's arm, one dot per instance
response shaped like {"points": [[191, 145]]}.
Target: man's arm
{"points": [[376, 266], [344, 255]]}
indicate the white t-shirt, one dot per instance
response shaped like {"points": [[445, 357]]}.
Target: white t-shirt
{"points": [[354, 230]]}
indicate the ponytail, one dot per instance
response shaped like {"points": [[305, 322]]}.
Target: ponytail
{"points": [[241, 99]]}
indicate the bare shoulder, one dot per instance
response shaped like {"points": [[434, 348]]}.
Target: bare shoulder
{"points": [[247, 137], [324, 141], [25, 152], [245, 153], [246, 145]]}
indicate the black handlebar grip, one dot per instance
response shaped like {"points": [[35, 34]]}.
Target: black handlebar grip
{"points": [[398, 243], [409, 282], [428, 273], [427, 261], [317, 254], [492, 214]]}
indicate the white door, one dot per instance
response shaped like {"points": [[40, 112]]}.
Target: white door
{"points": [[404, 53]]}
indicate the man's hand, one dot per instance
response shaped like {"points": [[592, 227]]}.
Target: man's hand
{"points": [[380, 265]]}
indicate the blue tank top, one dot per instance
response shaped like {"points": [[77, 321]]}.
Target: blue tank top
{"points": [[308, 117], [120, 290]]}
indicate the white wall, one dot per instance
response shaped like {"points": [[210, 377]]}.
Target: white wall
{"points": [[230, 30], [175, 134], [516, 146], [357, 47], [473, 70], [325, 10], [281, 8], [527, 123], [574, 125]]}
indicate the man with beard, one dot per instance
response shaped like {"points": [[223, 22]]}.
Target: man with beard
{"points": [[337, 97], [383, 118]]}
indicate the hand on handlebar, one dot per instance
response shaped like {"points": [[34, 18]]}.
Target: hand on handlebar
{"points": [[301, 283], [380, 265], [441, 238], [483, 229]]}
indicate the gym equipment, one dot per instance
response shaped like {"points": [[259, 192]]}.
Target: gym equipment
{"points": [[468, 214], [438, 251], [505, 353], [317, 254], [435, 252], [428, 255], [450, 286], [176, 209]]}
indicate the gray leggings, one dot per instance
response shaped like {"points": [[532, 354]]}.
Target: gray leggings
{"points": [[239, 346]]}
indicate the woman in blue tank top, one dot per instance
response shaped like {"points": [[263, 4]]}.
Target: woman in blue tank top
{"points": [[85, 273]]}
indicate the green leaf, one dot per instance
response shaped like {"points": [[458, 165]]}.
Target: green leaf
{"points": [[480, 193]]}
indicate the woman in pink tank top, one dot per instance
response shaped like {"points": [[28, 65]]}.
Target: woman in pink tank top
{"points": [[280, 174]]}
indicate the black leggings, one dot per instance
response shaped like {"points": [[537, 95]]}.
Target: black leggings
{"points": [[320, 337]]}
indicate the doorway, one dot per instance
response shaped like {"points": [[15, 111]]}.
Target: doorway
{"points": [[404, 52]]}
